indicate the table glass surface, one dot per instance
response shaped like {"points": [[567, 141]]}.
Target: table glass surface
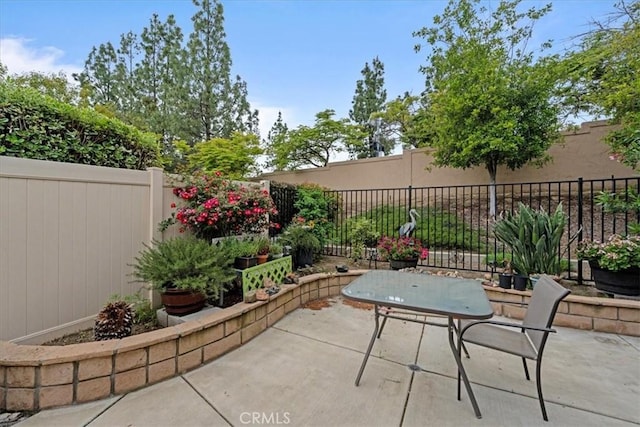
{"points": [[459, 298]]}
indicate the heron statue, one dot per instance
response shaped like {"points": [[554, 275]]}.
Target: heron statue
{"points": [[407, 229]]}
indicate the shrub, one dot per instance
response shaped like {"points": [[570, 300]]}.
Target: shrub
{"points": [[35, 126], [213, 206], [534, 238]]}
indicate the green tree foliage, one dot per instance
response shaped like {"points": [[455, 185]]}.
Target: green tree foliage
{"points": [[235, 157], [180, 88], [602, 78], [160, 78], [276, 137], [57, 86], [218, 104], [98, 80], [313, 146], [490, 102], [35, 126], [406, 119], [369, 98]]}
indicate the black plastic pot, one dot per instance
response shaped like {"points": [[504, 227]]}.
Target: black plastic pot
{"points": [[520, 282], [504, 280], [303, 258]]}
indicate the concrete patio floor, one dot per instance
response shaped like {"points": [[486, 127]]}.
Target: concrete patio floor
{"points": [[301, 372]]}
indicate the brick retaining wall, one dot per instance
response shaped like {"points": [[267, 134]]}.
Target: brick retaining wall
{"points": [[39, 377]]}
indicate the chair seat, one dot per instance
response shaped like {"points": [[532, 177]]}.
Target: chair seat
{"points": [[499, 338]]}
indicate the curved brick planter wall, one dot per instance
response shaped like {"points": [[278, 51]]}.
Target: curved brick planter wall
{"points": [[38, 377]]}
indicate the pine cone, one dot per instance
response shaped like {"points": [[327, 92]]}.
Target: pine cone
{"points": [[114, 321]]}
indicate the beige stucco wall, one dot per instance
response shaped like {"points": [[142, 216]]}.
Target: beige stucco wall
{"points": [[582, 154]]}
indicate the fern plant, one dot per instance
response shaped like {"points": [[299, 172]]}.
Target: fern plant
{"points": [[534, 238], [185, 263]]}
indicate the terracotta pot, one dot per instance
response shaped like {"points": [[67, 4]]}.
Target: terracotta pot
{"points": [[399, 264], [178, 302], [262, 258]]}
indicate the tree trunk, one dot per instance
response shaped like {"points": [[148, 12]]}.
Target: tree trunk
{"points": [[492, 169]]}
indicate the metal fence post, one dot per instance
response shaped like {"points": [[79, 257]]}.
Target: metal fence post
{"points": [[580, 223], [410, 195]]}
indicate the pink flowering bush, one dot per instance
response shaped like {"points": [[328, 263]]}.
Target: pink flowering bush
{"points": [[617, 253], [212, 206], [401, 248]]}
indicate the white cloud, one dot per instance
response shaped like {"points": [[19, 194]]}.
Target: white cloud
{"points": [[268, 115], [20, 56]]}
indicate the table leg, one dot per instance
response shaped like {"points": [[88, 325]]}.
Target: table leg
{"points": [[373, 339], [461, 371]]}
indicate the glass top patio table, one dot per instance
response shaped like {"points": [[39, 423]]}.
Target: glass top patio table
{"points": [[426, 293]]}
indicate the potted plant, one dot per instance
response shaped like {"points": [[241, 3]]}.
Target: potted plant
{"points": [[262, 249], [241, 251], [185, 270], [533, 236], [401, 252], [615, 264], [276, 250], [302, 242]]}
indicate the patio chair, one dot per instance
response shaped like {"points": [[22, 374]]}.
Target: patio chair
{"points": [[529, 341]]}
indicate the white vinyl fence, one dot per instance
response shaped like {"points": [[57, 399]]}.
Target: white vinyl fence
{"points": [[67, 236]]}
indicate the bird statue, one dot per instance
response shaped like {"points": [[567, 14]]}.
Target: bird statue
{"points": [[407, 229]]}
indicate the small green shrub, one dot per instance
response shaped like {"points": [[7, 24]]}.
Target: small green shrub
{"points": [[185, 263], [143, 312], [362, 234]]}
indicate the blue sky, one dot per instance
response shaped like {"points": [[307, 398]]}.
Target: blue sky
{"points": [[297, 56]]}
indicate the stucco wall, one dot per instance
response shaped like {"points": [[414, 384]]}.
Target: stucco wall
{"points": [[582, 154]]}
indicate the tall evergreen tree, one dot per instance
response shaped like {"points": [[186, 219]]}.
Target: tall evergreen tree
{"points": [[98, 79], [369, 98], [160, 76], [219, 106], [127, 58], [277, 137]]}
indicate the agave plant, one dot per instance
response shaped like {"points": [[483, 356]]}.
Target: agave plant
{"points": [[534, 238]]}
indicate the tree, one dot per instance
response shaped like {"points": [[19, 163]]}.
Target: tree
{"points": [[407, 119], [369, 98], [160, 78], [490, 102], [218, 107], [183, 93], [276, 137], [128, 93], [57, 86], [98, 80], [602, 78], [235, 157], [313, 146]]}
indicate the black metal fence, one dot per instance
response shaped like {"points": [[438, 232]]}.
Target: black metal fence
{"points": [[455, 221], [284, 196]]}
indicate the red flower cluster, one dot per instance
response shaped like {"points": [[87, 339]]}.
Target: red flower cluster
{"points": [[213, 207], [401, 248]]}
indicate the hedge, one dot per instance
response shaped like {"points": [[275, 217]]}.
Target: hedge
{"points": [[35, 126]]}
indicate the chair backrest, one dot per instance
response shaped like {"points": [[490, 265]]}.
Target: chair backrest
{"points": [[545, 298]]}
